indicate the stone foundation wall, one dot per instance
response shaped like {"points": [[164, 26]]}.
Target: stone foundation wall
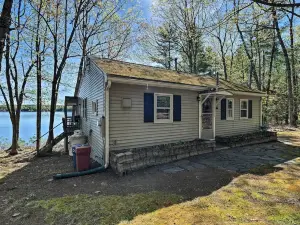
{"points": [[247, 139], [128, 160]]}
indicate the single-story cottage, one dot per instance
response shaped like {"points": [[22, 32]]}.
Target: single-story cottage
{"points": [[129, 110]]}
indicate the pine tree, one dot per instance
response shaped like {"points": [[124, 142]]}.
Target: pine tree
{"points": [[165, 46]]}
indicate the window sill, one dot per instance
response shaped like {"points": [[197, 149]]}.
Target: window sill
{"points": [[244, 118], [163, 121], [229, 118]]}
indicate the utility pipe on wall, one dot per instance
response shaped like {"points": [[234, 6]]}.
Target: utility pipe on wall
{"points": [[108, 85]]}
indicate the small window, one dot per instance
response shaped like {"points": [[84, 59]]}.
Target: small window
{"points": [[94, 108], [97, 107], [83, 108], [244, 108], [163, 108], [230, 109], [79, 110]]}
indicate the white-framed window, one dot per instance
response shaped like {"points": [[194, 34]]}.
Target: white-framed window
{"points": [[244, 108], [83, 108], [163, 108], [94, 108], [230, 109]]}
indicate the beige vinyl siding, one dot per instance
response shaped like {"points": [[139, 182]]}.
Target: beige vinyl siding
{"points": [[238, 125], [127, 127], [92, 88]]}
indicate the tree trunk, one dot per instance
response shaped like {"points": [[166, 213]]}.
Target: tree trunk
{"points": [[14, 145], [80, 73], [224, 62], [18, 124], [294, 75], [38, 81], [52, 113], [292, 121], [249, 56], [12, 111], [5, 20], [38, 104], [271, 67]]}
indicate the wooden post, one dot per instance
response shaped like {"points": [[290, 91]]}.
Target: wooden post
{"points": [[214, 116], [66, 144], [200, 115], [261, 112]]}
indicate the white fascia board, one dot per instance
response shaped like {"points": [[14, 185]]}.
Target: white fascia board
{"points": [[156, 83], [225, 93], [249, 93]]}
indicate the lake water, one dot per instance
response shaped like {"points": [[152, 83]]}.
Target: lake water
{"points": [[28, 125]]}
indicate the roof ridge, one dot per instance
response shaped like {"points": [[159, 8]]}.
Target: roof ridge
{"points": [[137, 70], [155, 67]]}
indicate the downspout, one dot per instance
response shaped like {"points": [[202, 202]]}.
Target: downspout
{"points": [[108, 85]]}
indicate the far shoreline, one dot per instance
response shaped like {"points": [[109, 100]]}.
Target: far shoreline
{"points": [[34, 111]]}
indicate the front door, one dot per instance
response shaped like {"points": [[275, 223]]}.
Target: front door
{"points": [[207, 119]]}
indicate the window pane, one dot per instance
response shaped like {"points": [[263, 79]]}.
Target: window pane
{"points": [[243, 113], [207, 106], [163, 114], [229, 104], [230, 113], [243, 105], [163, 101]]}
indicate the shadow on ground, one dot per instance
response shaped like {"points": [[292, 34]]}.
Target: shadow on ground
{"points": [[188, 178]]}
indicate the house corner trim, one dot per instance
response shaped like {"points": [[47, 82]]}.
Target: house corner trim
{"points": [[108, 85]]}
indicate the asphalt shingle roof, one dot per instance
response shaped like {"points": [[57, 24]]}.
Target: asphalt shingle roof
{"points": [[138, 71]]}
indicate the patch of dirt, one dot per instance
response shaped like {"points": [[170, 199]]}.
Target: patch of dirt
{"points": [[34, 182]]}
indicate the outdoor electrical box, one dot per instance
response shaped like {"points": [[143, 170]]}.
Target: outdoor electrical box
{"points": [[126, 102]]}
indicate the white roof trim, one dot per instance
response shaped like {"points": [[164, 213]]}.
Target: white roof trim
{"points": [[249, 93], [153, 83], [156, 83], [226, 93]]}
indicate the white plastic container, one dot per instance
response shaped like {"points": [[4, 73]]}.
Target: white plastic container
{"points": [[78, 132], [76, 139]]}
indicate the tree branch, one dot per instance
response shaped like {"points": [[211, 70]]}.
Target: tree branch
{"points": [[274, 4]]}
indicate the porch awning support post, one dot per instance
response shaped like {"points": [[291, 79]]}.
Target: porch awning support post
{"points": [[206, 97], [200, 115], [214, 116]]}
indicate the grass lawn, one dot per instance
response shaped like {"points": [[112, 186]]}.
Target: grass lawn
{"points": [[293, 137], [248, 199], [102, 210], [266, 195]]}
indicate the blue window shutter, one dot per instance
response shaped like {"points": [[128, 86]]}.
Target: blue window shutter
{"points": [[249, 108], [223, 109], [176, 107], [148, 107]]}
